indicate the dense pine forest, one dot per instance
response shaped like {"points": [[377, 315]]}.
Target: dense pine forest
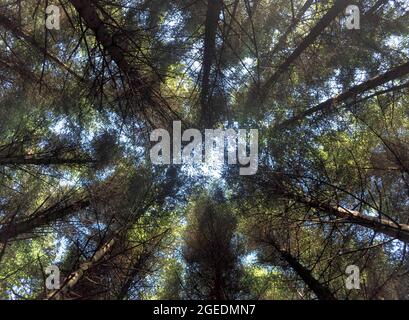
{"points": [[87, 213]]}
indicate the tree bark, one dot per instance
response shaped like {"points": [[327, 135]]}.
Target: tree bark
{"points": [[27, 160], [322, 292], [144, 97], [387, 227], [214, 8], [75, 276], [315, 32], [283, 39], [330, 105], [41, 219], [382, 225]]}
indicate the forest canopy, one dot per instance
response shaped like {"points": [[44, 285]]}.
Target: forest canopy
{"points": [[84, 83]]}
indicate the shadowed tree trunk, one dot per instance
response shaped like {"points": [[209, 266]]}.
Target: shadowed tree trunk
{"points": [[32, 160], [137, 271], [144, 98], [322, 292], [214, 8], [76, 276], [315, 32], [41, 219], [330, 105], [384, 226], [387, 227], [283, 39]]}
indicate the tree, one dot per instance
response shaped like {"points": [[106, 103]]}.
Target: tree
{"points": [[212, 253], [78, 189]]}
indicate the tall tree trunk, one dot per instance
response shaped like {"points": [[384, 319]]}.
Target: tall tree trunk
{"points": [[40, 219], [322, 292], [146, 100], [384, 226], [315, 32], [283, 39], [330, 105], [75, 276], [32, 160], [214, 8], [387, 227]]}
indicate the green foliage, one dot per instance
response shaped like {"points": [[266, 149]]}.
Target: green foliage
{"points": [[77, 187]]}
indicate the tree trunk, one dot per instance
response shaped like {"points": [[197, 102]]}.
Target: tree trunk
{"points": [[27, 160], [75, 276], [330, 105], [41, 219], [144, 98], [322, 292], [315, 32], [209, 55], [387, 227]]}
